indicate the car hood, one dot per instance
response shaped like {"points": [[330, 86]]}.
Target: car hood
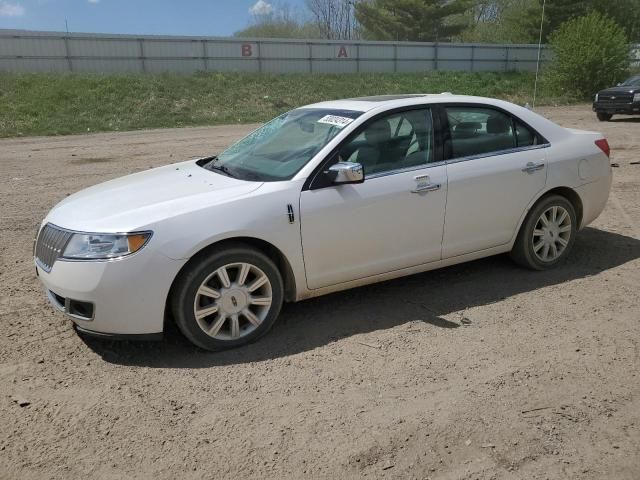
{"points": [[136, 201], [619, 90]]}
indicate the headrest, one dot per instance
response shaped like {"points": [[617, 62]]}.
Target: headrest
{"points": [[468, 126], [498, 124], [379, 132], [420, 122], [467, 129]]}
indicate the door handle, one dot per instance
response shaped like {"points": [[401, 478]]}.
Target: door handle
{"points": [[533, 167], [427, 188]]}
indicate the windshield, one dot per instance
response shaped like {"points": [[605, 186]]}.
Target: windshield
{"points": [[631, 82], [280, 148]]}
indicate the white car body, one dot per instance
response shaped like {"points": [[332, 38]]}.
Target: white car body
{"points": [[334, 238]]}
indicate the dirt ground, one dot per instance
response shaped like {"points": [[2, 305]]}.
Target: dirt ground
{"points": [[380, 382]]}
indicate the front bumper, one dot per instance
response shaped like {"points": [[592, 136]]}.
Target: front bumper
{"points": [[629, 108], [137, 337], [120, 297]]}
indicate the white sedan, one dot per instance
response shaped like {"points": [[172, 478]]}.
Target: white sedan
{"points": [[324, 198]]}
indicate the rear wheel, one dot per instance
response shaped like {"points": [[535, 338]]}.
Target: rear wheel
{"points": [[227, 299], [547, 235], [604, 117]]}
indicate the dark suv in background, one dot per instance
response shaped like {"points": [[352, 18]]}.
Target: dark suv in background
{"points": [[624, 99]]}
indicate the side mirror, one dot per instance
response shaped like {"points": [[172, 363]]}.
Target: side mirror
{"points": [[346, 172]]}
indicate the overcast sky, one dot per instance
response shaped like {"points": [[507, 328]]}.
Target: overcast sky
{"points": [[177, 17]]}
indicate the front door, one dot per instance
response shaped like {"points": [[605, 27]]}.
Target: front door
{"points": [[393, 220]]}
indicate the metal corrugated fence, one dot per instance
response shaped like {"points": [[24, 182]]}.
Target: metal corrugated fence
{"points": [[31, 51]]}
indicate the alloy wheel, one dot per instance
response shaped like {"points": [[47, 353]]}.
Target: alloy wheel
{"points": [[552, 233], [233, 301]]}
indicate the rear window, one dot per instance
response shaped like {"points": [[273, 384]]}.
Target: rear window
{"points": [[482, 130], [477, 131], [525, 137]]}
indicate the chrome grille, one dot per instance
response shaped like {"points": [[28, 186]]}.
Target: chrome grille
{"points": [[50, 245], [620, 98]]}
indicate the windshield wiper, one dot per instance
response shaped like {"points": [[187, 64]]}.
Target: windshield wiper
{"points": [[222, 169], [218, 168]]}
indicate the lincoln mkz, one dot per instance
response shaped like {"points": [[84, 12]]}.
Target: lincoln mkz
{"points": [[327, 197]]}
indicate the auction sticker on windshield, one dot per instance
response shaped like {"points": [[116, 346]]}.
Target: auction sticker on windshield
{"points": [[336, 120]]}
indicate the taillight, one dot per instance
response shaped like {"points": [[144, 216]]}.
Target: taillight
{"points": [[604, 146]]}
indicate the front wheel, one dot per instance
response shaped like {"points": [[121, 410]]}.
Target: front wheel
{"points": [[604, 117], [547, 235], [227, 299]]}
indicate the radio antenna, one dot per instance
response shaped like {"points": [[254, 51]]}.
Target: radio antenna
{"points": [[535, 85]]}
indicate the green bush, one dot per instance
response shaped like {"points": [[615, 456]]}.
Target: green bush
{"points": [[590, 53]]}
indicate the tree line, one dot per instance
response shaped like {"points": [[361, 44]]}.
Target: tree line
{"points": [[486, 21]]}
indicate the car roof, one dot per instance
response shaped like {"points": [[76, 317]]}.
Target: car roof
{"points": [[364, 104], [387, 98]]}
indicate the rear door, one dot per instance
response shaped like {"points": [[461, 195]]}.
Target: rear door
{"points": [[496, 165]]}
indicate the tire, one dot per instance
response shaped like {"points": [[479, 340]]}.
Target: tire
{"points": [[196, 289], [604, 117], [528, 251]]}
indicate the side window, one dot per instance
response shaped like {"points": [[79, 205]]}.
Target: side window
{"points": [[525, 137], [397, 141], [477, 131]]}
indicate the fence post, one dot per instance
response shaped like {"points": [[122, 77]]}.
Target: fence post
{"points": [[66, 52], [473, 56], [357, 57], [141, 47], [204, 55], [259, 57], [310, 48], [506, 58], [395, 58], [435, 56]]}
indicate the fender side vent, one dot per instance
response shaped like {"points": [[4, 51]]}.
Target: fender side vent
{"points": [[290, 214]]}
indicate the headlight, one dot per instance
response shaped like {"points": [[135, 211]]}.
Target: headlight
{"points": [[636, 97], [596, 97], [94, 246]]}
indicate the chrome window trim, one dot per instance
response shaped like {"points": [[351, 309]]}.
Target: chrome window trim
{"points": [[403, 170], [454, 160], [497, 153]]}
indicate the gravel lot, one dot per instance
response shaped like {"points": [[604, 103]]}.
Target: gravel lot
{"points": [[383, 381]]}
